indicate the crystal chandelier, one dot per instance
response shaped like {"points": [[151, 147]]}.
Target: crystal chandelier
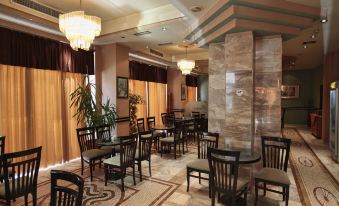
{"points": [[186, 65], [79, 29]]}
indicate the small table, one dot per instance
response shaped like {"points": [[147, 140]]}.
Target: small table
{"points": [[247, 156], [164, 127]]}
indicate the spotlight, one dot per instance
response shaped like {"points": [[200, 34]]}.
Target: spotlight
{"points": [[324, 20], [164, 28]]}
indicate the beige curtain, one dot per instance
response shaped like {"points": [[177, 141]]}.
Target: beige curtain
{"points": [[139, 88], [157, 100], [191, 94], [35, 112]]}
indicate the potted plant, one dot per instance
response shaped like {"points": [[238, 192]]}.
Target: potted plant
{"points": [[134, 100], [94, 113]]}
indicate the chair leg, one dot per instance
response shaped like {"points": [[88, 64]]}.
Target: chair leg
{"points": [[122, 182], [209, 186], [199, 177], [34, 198], [134, 174], [8, 202], [256, 193], [82, 166], [188, 179], [106, 173], [213, 197], [287, 190], [183, 147], [161, 146], [264, 189], [91, 170], [175, 151], [149, 167], [140, 172], [26, 200], [284, 192]]}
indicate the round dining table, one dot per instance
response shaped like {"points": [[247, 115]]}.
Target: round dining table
{"points": [[247, 156]]}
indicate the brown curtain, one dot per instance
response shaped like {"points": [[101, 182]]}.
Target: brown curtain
{"points": [[191, 94], [139, 88], [26, 50], [191, 81], [35, 112], [146, 72], [157, 100]]}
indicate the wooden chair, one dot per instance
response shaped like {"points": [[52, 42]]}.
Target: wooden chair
{"points": [[201, 164], [103, 133], [224, 179], [2, 151], [156, 134], [143, 152], [275, 155], [186, 133], [163, 118], [141, 125], [66, 196], [172, 141], [117, 165], [88, 151], [26, 166], [195, 114]]}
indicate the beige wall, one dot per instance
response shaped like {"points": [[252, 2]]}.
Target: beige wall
{"points": [[174, 81], [112, 61]]}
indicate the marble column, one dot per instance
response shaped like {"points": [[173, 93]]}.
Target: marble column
{"points": [[268, 66], [217, 90], [239, 58]]}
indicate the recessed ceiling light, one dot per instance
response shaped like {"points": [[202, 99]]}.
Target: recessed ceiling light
{"points": [[147, 46], [313, 36], [195, 8], [324, 20], [122, 37], [164, 28], [31, 19]]}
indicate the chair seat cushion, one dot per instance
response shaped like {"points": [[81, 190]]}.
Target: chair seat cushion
{"points": [[113, 160], [146, 135], [199, 164], [159, 134], [273, 175], [94, 153], [167, 139], [210, 138]]}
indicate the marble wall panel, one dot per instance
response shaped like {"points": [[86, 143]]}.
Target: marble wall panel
{"points": [[268, 67]]}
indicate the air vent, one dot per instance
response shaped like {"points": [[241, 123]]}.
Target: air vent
{"points": [[142, 33], [152, 51], [165, 44], [196, 9], [38, 7]]}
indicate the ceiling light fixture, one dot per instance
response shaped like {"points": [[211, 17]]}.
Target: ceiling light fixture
{"points": [[164, 28], [186, 65], [324, 18], [80, 29]]}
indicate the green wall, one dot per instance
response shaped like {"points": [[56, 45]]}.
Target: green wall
{"points": [[309, 81]]}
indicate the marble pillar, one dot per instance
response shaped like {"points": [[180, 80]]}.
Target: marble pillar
{"points": [[239, 53], [268, 74], [217, 90], [244, 89]]}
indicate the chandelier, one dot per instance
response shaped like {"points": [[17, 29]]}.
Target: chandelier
{"points": [[186, 65], [80, 29]]}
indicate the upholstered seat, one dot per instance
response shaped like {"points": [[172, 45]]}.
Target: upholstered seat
{"points": [[147, 135], [199, 164], [210, 138], [94, 153], [113, 160], [273, 175], [157, 133], [167, 139]]}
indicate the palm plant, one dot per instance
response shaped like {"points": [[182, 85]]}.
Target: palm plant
{"points": [[94, 113]]}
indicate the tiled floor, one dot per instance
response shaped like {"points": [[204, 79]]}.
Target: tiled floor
{"points": [[167, 186]]}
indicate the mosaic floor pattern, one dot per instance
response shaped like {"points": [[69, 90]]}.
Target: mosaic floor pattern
{"points": [[316, 184]]}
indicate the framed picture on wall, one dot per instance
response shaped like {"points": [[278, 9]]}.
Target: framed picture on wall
{"points": [[183, 92], [290, 91], [122, 87]]}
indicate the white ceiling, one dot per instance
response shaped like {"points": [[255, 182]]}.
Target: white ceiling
{"points": [[106, 9], [178, 28]]}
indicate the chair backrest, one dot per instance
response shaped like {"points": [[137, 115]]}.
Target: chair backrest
{"points": [[2, 144], [163, 118], [26, 165], [86, 138], [145, 145], [128, 146], [275, 152], [204, 143], [196, 114], [141, 124], [66, 196], [104, 132], [224, 167], [150, 123]]}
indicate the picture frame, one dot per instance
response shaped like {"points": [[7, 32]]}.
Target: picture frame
{"points": [[122, 87], [290, 91], [183, 92]]}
